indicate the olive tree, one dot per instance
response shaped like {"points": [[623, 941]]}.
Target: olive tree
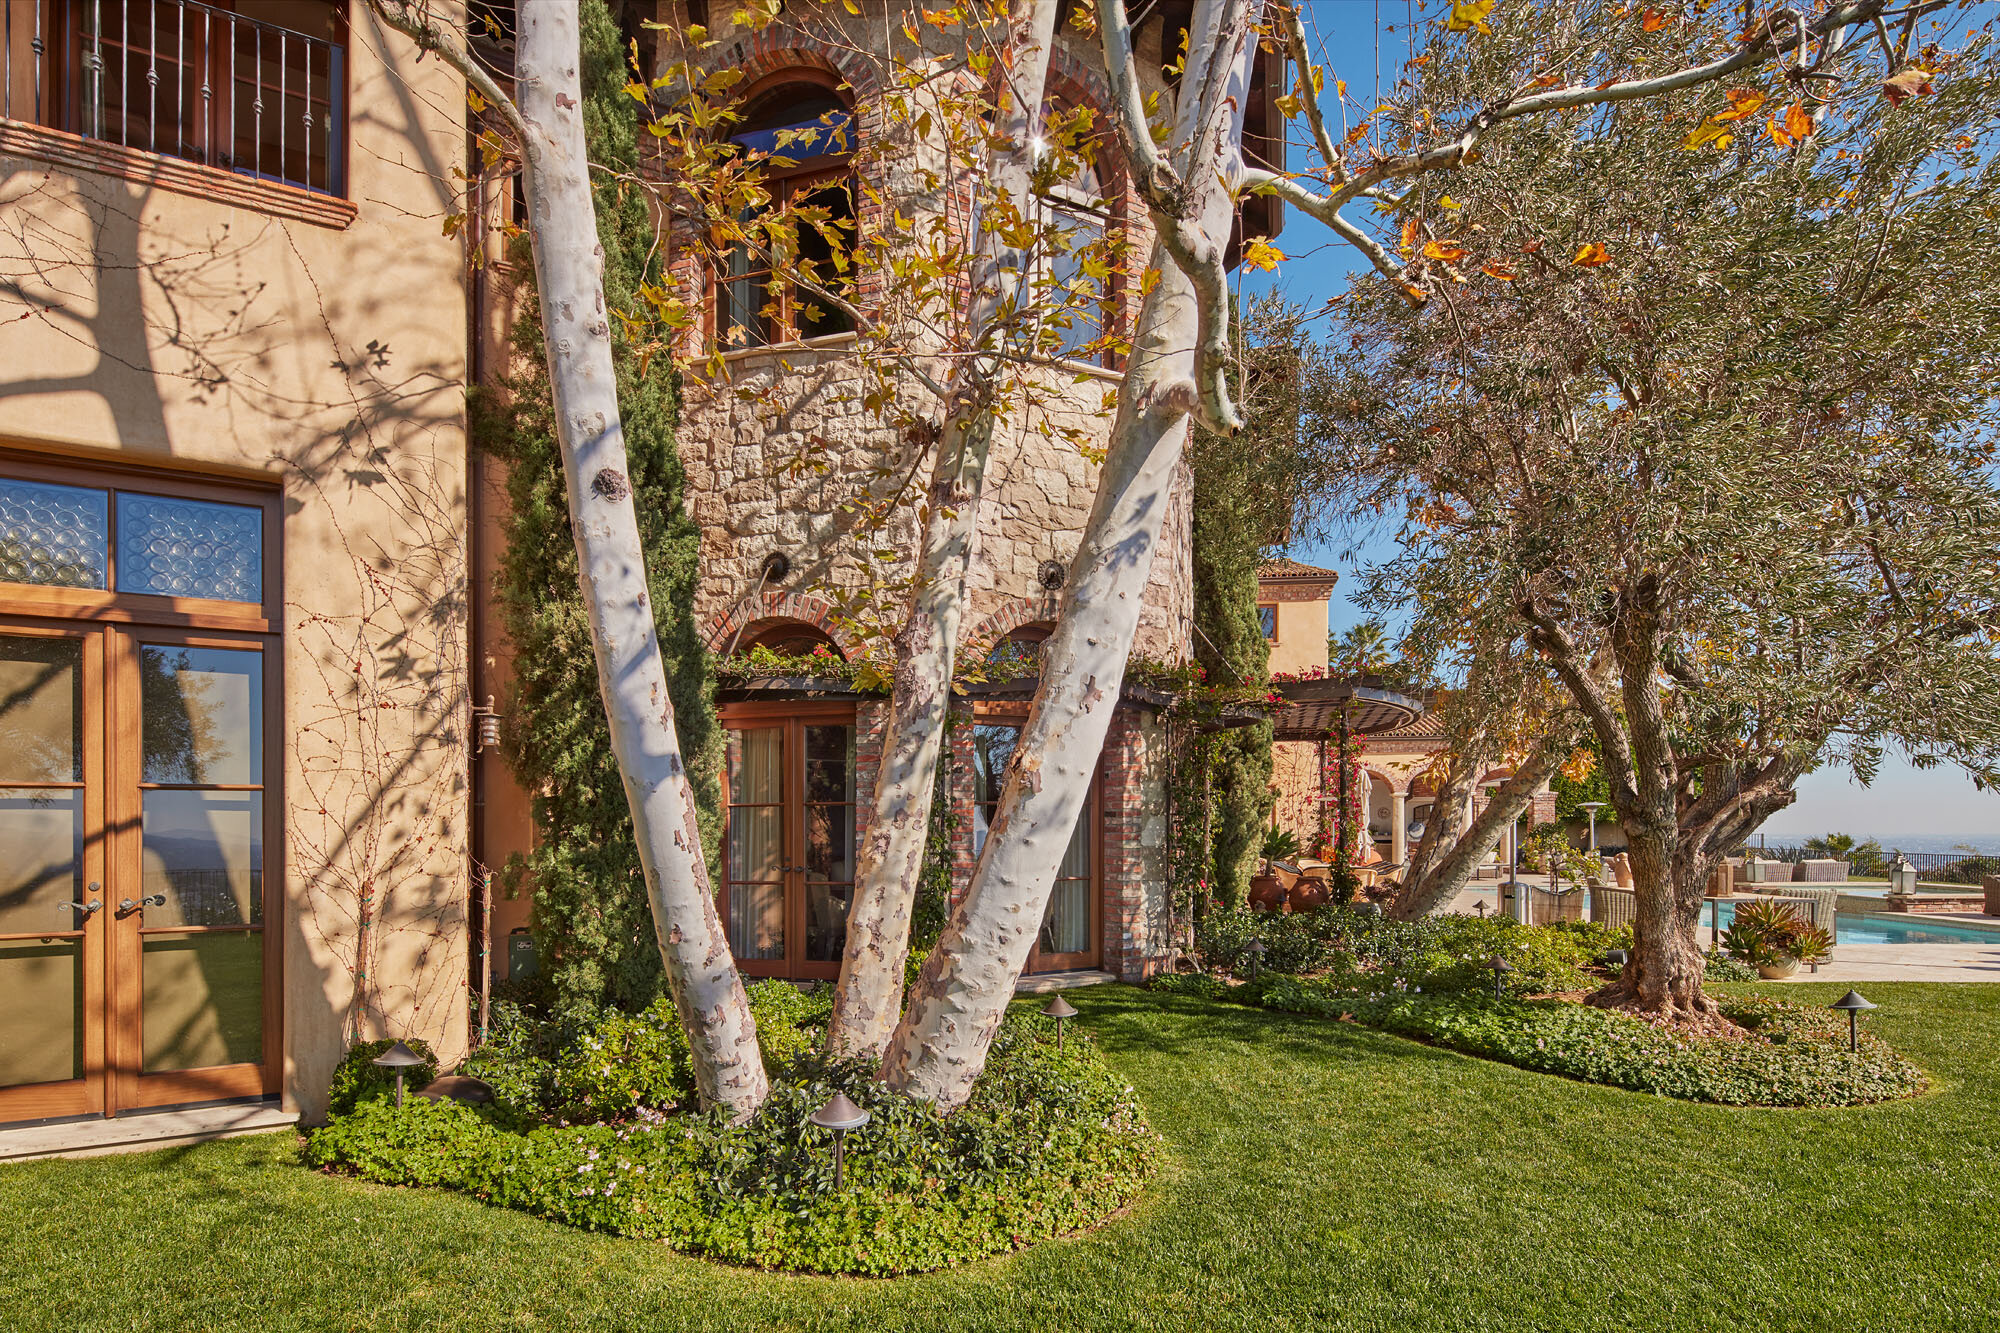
{"points": [[1700, 411]]}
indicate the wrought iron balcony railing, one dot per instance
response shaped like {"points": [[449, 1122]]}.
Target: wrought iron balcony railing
{"points": [[190, 80]]}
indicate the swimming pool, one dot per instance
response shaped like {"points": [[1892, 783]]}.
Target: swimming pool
{"points": [[1869, 928]]}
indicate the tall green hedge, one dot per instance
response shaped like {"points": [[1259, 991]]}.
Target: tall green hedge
{"points": [[591, 920]]}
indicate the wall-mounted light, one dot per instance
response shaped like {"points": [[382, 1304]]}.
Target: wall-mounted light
{"points": [[1050, 575], [485, 727]]}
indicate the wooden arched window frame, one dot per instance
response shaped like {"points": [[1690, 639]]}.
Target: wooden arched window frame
{"points": [[801, 124], [1082, 209]]}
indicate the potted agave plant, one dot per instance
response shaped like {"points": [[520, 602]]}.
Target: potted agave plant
{"points": [[1772, 938]]}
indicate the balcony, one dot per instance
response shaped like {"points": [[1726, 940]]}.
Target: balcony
{"points": [[117, 80]]}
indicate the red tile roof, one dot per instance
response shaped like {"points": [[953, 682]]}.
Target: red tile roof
{"points": [[1284, 568]]}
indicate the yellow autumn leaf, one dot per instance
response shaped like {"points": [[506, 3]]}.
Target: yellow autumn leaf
{"points": [[478, 103], [1495, 269], [1409, 235], [1447, 202], [1743, 104], [1262, 254], [1708, 134], [1469, 14], [1652, 21], [1289, 106], [1444, 250], [1590, 255]]}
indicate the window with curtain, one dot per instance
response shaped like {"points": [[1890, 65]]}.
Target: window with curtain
{"points": [[804, 135]]}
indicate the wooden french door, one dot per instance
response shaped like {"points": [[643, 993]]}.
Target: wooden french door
{"points": [[1072, 930], [136, 951], [788, 850]]}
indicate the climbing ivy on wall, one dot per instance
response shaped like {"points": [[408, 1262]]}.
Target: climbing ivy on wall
{"points": [[592, 924]]}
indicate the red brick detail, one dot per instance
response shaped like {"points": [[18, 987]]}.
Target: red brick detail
{"points": [[753, 614], [1131, 877], [1012, 615]]}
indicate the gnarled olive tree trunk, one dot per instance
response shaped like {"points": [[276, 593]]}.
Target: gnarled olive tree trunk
{"points": [[1445, 861], [701, 974], [868, 996]]}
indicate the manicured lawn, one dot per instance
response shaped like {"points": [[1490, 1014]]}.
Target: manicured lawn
{"points": [[1325, 1177]]}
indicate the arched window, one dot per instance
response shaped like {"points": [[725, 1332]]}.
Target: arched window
{"points": [[804, 134], [1080, 297], [792, 638], [1019, 648]]}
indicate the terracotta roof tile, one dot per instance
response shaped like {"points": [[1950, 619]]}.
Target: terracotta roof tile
{"points": [[1284, 568]]}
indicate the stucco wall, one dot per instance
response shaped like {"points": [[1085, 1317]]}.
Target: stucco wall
{"points": [[182, 327]]}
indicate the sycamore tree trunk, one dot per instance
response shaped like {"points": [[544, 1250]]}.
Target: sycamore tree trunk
{"points": [[1441, 868], [701, 974], [868, 996], [956, 1008]]}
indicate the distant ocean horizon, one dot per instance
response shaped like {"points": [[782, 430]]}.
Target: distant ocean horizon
{"points": [[1987, 844]]}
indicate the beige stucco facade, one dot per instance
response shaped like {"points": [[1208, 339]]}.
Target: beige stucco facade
{"points": [[232, 330]]}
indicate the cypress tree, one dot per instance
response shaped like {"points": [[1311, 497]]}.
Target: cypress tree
{"points": [[592, 924]]}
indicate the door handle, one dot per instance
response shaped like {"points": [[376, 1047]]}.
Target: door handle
{"points": [[151, 900], [86, 908]]}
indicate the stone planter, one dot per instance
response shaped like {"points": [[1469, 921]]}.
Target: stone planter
{"points": [[1778, 971]]}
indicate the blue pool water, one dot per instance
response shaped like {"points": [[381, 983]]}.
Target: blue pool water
{"points": [[1861, 928]]}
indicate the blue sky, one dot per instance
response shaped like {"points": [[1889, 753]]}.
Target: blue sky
{"points": [[1903, 799]]}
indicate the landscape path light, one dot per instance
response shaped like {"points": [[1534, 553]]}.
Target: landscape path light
{"points": [[399, 1058], [1501, 967], [1256, 955], [1852, 1004], [1062, 1011], [839, 1115]]}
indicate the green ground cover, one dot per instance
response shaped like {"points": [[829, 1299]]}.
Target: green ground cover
{"points": [[1322, 1175]]}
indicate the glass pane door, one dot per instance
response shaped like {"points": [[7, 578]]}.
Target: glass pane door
{"points": [[788, 856], [1067, 938], [829, 838], [755, 855], [50, 941], [190, 903]]}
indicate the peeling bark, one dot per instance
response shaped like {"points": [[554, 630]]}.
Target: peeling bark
{"points": [[707, 991], [1439, 873], [962, 994], [868, 995]]}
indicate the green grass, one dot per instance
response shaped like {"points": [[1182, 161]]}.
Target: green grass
{"points": [[1325, 1176]]}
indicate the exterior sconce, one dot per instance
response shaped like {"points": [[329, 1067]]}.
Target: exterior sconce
{"points": [[839, 1115], [485, 727]]}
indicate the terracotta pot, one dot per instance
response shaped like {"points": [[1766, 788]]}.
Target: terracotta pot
{"points": [[1779, 970], [1308, 894], [1267, 893]]}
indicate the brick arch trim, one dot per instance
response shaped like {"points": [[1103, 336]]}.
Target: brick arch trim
{"points": [[752, 614], [1388, 780], [773, 51], [1013, 614]]}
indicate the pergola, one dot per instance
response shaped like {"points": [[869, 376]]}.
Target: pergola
{"points": [[1337, 709]]}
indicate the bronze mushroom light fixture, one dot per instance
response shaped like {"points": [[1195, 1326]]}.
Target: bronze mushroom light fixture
{"points": [[1062, 1011], [839, 1115], [1852, 1004], [401, 1059], [1501, 967]]}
